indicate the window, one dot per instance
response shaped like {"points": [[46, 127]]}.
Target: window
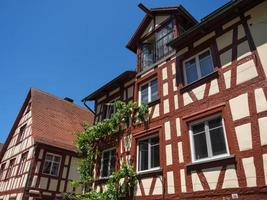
{"points": [[21, 133], [197, 67], [208, 139], [148, 92], [2, 170], [155, 47], [163, 37], [22, 163], [108, 161], [52, 164], [148, 154], [10, 168]]}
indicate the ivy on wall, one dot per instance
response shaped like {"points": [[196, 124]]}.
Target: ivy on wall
{"points": [[121, 184]]}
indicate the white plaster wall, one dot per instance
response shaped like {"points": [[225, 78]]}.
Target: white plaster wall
{"points": [[230, 178], [238, 102], [158, 186], [73, 173], [227, 79], [197, 186], [263, 130], [261, 103], [170, 183], [259, 31], [250, 172], [199, 91], [244, 138], [264, 158], [165, 89], [225, 40], [167, 130], [214, 88], [187, 99], [166, 106], [164, 73], [212, 176], [246, 72], [178, 127], [176, 105], [180, 152], [168, 150], [183, 183]]}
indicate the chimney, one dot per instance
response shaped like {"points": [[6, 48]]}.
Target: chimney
{"points": [[69, 99]]}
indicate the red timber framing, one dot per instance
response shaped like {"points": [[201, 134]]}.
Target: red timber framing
{"points": [[237, 90]]}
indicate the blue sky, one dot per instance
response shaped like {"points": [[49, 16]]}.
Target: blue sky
{"points": [[68, 47]]}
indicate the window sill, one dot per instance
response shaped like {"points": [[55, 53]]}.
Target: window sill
{"points": [[199, 82], [211, 163], [149, 173], [156, 64]]}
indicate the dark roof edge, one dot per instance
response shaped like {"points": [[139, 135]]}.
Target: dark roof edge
{"points": [[94, 94]]}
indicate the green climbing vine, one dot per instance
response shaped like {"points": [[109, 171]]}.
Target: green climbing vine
{"points": [[121, 184]]}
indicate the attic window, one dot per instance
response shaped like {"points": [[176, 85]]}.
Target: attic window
{"points": [[155, 47], [21, 134]]}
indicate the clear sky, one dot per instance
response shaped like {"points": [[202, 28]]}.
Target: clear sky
{"points": [[68, 47]]}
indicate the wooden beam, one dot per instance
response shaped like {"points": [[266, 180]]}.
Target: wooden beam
{"points": [[145, 9]]}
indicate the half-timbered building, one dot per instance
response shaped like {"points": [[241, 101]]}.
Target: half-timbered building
{"points": [[206, 88], [39, 158]]}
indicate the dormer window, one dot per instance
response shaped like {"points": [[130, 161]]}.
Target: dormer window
{"points": [[155, 46]]}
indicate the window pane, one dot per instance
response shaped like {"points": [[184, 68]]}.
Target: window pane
{"points": [[154, 141], [205, 62], [154, 89], [112, 163], [217, 122], [218, 141], [55, 169], [200, 146], [47, 167], [57, 159], [143, 155], [198, 128], [144, 94], [147, 55], [155, 156], [49, 157], [105, 168], [191, 71]]}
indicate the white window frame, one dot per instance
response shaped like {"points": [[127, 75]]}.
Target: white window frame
{"points": [[149, 155], [196, 57], [102, 160], [149, 90], [59, 166], [208, 142]]}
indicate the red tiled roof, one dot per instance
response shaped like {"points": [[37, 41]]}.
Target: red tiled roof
{"points": [[55, 121]]}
